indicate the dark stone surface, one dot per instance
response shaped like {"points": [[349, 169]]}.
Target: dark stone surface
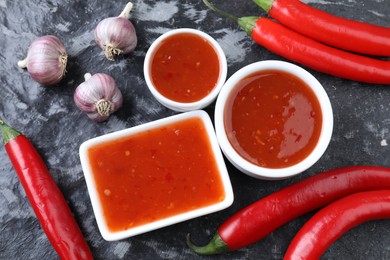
{"points": [[49, 117]]}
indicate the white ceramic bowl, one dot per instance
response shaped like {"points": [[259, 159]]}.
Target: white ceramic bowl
{"points": [[92, 188], [180, 106], [279, 173]]}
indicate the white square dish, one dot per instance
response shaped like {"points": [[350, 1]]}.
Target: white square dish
{"points": [[160, 171]]}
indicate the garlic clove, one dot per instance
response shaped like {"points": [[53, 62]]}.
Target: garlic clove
{"points": [[116, 35], [46, 60], [98, 96]]}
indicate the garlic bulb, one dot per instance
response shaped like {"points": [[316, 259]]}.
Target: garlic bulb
{"points": [[98, 96], [116, 35], [46, 60]]}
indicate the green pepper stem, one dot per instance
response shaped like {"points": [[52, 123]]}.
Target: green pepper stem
{"points": [[219, 11], [215, 246], [266, 5], [247, 23], [8, 132]]}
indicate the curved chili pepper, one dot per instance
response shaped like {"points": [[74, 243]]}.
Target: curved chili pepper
{"points": [[335, 31], [45, 197], [266, 215], [298, 48], [331, 222]]}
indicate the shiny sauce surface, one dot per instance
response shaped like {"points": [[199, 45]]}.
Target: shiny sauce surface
{"points": [[185, 68], [156, 174], [273, 119]]}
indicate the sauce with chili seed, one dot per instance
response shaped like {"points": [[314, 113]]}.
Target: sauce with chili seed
{"points": [[273, 119], [185, 68], [156, 174]]}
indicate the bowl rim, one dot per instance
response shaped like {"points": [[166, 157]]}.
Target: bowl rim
{"points": [[274, 173], [94, 197], [186, 106]]}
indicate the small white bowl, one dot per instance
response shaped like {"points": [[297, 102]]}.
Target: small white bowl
{"points": [[272, 173], [180, 106], [109, 235]]}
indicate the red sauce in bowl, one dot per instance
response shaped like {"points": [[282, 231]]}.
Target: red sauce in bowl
{"points": [[273, 119], [185, 68], [156, 174]]}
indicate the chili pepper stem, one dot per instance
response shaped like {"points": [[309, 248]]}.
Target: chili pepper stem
{"points": [[215, 246], [246, 23], [264, 4], [8, 132], [219, 11]]}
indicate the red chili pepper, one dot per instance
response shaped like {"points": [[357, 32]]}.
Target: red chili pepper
{"points": [[331, 222], [335, 31], [45, 197], [264, 216], [298, 48]]}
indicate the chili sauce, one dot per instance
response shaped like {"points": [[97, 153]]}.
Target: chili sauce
{"points": [[273, 119], [185, 68], [156, 174]]}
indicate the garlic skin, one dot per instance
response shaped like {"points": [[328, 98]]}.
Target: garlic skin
{"points": [[98, 96], [116, 35], [46, 60]]}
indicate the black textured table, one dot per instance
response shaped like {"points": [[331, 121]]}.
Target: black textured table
{"points": [[49, 117]]}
